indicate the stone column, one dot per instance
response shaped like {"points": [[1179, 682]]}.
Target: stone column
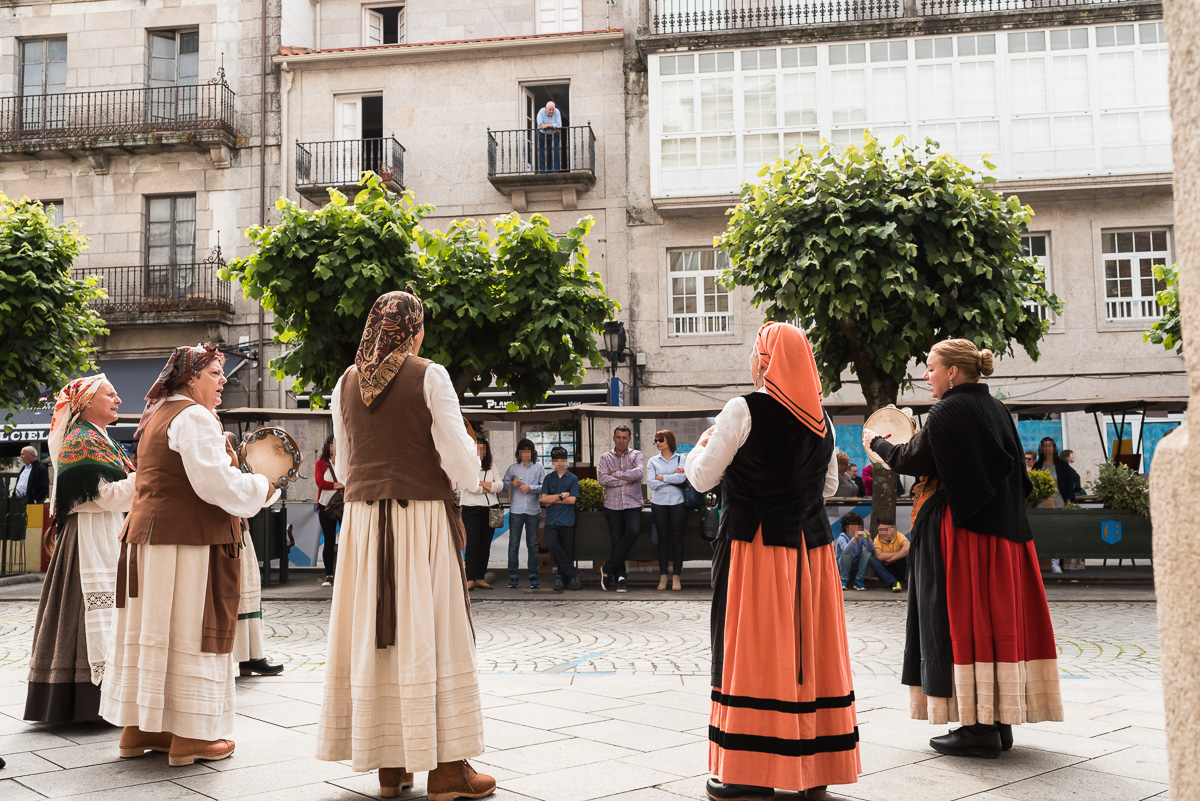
{"points": [[1175, 479]]}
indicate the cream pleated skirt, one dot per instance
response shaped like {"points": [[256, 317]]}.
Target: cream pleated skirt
{"points": [[417, 703], [248, 636], [157, 678]]}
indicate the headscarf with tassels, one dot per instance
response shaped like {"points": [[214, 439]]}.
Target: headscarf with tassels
{"points": [[83, 454], [387, 340], [790, 372], [182, 364]]}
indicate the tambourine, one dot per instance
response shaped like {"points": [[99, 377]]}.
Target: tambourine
{"points": [[270, 452], [890, 420]]}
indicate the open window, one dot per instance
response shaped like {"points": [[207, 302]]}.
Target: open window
{"points": [[383, 25]]}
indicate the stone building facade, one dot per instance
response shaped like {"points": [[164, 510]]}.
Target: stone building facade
{"points": [[144, 123]]}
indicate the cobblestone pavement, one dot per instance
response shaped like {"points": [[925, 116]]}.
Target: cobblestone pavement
{"points": [[608, 700], [1101, 640]]}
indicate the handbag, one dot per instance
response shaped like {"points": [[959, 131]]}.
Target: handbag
{"points": [[334, 506], [495, 513], [710, 525], [693, 498]]}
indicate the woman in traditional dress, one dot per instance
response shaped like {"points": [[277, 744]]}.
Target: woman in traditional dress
{"points": [[92, 491], [401, 693], [979, 647], [783, 699], [170, 677]]}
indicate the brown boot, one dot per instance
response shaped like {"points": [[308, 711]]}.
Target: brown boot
{"points": [[817, 793], [185, 751], [451, 780], [392, 781], [135, 742]]}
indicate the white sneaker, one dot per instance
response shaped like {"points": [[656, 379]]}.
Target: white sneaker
{"points": [[328, 582], [1055, 565]]}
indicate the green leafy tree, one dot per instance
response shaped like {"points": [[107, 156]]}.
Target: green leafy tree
{"points": [[518, 308], [1167, 330], [878, 254], [46, 321]]}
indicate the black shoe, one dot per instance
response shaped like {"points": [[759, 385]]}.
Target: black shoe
{"points": [[575, 583], [966, 742], [720, 791], [260, 666], [1005, 736]]}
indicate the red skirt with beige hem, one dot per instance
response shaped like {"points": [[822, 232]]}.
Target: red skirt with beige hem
{"points": [[783, 715]]}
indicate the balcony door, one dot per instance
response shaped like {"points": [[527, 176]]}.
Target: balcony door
{"points": [[537, 152], [43, 75], [171, 248], [358, 129], [174, 73]]}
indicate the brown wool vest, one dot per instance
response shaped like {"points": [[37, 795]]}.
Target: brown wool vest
{"points": [[389, 451], [166, 510]]}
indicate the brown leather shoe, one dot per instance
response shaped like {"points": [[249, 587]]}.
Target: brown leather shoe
{"points": [[817, 793], [392, 781], [185, 751], [135, 742], [451, 780]]}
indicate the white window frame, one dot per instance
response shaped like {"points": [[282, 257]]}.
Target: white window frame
{"points": [[1077, 155], [1138, 308], [1046, 261], [371, 15], [699, 322], [560, 13]]}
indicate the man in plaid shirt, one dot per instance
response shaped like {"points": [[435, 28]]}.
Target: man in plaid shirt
{"points": [[620, 473]]}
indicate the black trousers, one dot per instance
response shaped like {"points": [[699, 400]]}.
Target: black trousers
{"points": [[561, 541], [479, 541], [624, 527], [669, 521], [329, 530]]}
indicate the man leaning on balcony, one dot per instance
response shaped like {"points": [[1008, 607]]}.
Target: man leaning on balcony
{"points": [[549, 155]]}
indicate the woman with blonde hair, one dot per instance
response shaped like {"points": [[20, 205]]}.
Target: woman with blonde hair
{"points": [[980, 646]]}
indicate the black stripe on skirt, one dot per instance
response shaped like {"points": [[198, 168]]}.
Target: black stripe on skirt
{"points": [[788, 707], [779, 746]]}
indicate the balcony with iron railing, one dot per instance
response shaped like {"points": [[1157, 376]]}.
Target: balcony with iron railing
{"points": [[526, 160], [168, 293], [321, 166], [115, 121], [707, 16]]}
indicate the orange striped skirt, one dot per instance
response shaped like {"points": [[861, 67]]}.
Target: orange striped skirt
{"points": [[783, 698]]}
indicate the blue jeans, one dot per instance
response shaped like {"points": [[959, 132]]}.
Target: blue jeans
{"points": [[891, 573], [624, 527], [846, 561], [549, 151], [530, 524]]}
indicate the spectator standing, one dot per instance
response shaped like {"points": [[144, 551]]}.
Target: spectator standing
{"points": [[524, 512], [857, 479], [1064, 481], [846, 486], [327, 485], [1030, 458], [549, 122], [620, 473], [853, 550], [889, 558], [560, 490], [664, 476], [1068, 459], [33, 484], [475, 503], [868, 477]]}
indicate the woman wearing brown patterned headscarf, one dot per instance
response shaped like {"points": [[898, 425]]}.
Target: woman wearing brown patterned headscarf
{"points": [[401, 693], [169, 678]]}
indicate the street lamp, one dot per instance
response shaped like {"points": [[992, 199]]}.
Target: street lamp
{"points": [[614, 343]]}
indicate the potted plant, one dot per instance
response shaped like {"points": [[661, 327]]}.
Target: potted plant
{"points": [[1043, 488], [1118, 487], [1121, 529]]}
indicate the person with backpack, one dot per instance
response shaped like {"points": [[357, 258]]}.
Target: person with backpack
{"points": [[666, 480]]}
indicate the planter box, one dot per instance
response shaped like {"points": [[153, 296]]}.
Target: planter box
{"points": [[1091, 534], [592, 541]]}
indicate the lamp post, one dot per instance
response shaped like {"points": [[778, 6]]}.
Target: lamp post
{"points": [[614, 344]]}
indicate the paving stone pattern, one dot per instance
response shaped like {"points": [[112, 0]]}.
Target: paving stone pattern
{"points": [[603, 700]]}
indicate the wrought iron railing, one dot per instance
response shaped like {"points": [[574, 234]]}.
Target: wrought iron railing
{"points": [[115, 112], [695, 16], [342, 163], [526, 151], [166, 288], [698, 16]]}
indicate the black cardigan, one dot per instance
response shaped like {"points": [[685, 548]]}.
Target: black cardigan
{"points": [[970, 444]]}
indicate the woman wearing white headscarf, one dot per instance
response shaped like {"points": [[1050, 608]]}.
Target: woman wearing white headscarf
{"points": [[92, 490]]}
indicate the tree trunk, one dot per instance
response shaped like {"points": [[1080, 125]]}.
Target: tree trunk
{"points": [[879, 392]]}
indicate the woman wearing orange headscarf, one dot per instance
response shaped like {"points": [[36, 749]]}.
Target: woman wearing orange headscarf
{"points": [[781, 718]]}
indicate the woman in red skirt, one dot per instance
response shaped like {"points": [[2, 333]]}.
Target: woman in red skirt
{"points": [[979, 644], [783, 700]]}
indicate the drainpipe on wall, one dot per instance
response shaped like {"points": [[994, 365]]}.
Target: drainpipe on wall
{"points": [[262, 189]]}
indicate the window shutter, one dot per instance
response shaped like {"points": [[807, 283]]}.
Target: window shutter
{"points": [[372, 28]]}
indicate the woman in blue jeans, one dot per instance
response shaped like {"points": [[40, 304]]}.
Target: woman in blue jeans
{"points": [[524, 480]]}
